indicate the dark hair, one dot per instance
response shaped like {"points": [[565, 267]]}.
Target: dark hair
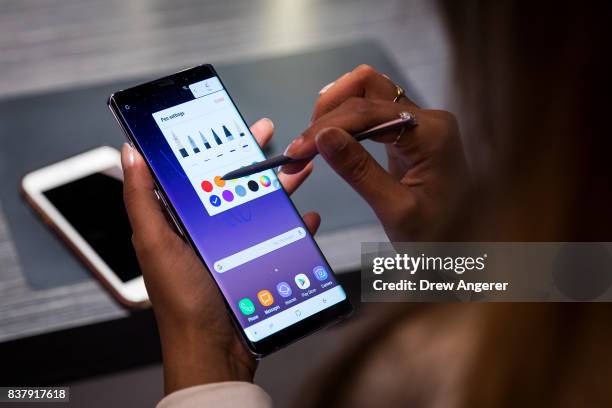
{"points": [[533, 85]]}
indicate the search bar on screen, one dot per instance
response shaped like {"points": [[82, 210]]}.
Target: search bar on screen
{"points": [[261, 249]]}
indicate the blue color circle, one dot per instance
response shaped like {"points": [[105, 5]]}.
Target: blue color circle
{"points": [[240, 191], [215, 200]]}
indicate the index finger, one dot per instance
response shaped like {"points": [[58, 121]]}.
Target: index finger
{"points": [[353, 116]]}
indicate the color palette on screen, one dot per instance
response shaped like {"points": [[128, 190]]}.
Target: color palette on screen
{"points": [[229, 191]]}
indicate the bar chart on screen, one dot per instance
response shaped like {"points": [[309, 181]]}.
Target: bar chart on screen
{"points": [[209, 139]]}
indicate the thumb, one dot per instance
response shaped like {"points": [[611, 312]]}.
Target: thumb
{"points": [[360, 170], [144, 211]]}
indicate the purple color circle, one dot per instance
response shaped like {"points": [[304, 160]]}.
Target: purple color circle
{"points": [[227, 195]]}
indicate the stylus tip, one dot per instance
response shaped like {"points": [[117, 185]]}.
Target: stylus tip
{"points": [[229, 176]]}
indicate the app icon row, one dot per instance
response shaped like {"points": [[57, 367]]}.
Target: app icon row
{"points": [[247, 307]]}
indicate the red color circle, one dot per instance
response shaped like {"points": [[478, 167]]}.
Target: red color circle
{"points": [[206, 186]]}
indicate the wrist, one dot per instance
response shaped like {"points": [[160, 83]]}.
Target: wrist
{"points": [[195, 359]]}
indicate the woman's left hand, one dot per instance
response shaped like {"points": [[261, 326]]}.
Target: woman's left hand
{"points": [[199, 341]]}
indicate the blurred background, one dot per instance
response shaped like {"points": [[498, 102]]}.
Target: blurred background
{"points": [[52, 52], [66, 43]]}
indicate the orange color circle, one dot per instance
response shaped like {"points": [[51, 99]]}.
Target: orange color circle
{"points": [[219, 181]]}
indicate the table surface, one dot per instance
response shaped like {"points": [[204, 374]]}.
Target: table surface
{"points": [[46, 46]]}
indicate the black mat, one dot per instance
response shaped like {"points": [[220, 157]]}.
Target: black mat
{"points": [[39, 130]]}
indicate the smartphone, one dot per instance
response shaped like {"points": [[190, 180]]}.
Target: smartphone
{"points": [[81, 198], [273, 277]]}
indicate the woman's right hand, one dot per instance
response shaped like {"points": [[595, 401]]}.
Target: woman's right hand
{"points": [[427, 169]]}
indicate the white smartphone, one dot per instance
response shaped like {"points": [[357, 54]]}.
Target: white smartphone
{"points": [[81, 199]]}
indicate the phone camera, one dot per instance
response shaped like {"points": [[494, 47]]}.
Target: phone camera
{"points": [[127, 107]]}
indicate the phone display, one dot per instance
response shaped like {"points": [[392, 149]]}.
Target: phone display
{"points": [[93, 205], [271, 272]]}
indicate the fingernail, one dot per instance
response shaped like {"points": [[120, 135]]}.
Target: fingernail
{"points": [[262, 125], [330, 141], [345, 75], [127, 156], [270, 122], [293, 146], [326, 88]]}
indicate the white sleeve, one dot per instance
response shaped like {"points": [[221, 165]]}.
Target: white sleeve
{"points": [[219, 395]]}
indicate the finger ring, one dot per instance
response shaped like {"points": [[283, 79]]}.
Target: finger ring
{"points": [[398, 89], [404, 115], [399, 136]]}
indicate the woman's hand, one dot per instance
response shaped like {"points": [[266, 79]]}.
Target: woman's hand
{"points": [[426, 165], [199, 342]]}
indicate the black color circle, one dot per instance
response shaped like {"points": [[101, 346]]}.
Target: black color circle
{"points": [[253, 186]]}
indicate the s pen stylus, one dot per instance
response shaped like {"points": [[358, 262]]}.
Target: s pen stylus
{"points": [[406, 120]]}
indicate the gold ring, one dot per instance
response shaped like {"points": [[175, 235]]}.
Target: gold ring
{"points": [[399, 136], [404, 115], [399, 93], [398, 89]]}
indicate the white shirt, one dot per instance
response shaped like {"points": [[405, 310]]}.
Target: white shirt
{"points": [[218, 395]]}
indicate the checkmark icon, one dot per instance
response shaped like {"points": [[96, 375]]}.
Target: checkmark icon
{"points": [[215, 200]]}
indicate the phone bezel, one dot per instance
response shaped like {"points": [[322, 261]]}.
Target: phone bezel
{"points": [[131, 293], [181, 79]]}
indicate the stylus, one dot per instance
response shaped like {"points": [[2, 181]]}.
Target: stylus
{"points": [[407, 120]]}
